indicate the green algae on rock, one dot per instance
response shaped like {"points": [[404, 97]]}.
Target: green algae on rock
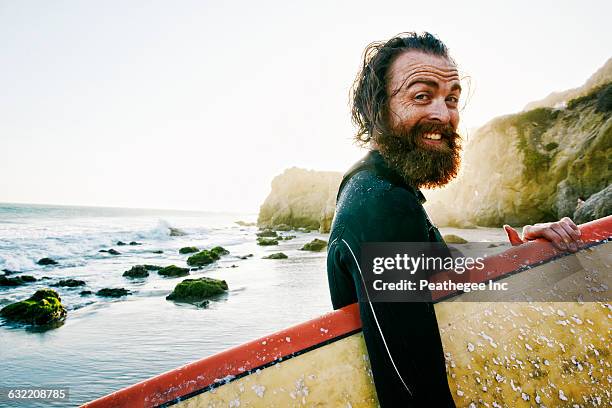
{"points": [[267, 241], [277, 255], [454, 239], [202, 258], [173, 271], [17, 280], [197, 290], [314, 245], [113, 292], [43, 308], [137, 271], [219, 251], [188, 250], [267, 233]]}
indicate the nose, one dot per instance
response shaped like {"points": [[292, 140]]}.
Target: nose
{"points": [[439, 111]]}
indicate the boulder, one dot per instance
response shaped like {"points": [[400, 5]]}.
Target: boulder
{"points": [[70, 283], [202, 258], [287, 237], [133, 243], [301, 198], [314, 245], [120, 243], [282, 227], [197, 290], [454, 239], [277, 255], [267, 233], [597, 206], [219, 251], [152, 267], [188, 250], [86, 293], [173, 271], [43, 308], [113, 292], [110, 251], [137, 271], [16, 281], [267, 241], [46, 261]]}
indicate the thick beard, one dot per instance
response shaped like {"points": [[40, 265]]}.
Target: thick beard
{"points": [[418, 164]]}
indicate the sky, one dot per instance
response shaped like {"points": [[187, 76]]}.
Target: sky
{"points": [[198, 105]]}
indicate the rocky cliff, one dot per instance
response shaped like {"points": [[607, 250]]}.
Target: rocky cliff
{"points": [[535, 166], [301, 198]]}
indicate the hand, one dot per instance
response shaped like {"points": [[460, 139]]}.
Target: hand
{"points": [[563, 234]]}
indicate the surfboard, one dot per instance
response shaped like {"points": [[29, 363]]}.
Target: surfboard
{"points": [[498, 353]]}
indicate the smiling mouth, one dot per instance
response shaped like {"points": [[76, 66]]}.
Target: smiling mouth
{"points": [[433, 138]]}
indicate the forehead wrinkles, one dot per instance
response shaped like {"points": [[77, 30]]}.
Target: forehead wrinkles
{"points": [[448, 74]]}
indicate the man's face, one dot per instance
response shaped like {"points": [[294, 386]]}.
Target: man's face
{"points": [[422, 116]]}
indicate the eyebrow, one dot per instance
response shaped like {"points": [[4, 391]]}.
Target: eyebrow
{"points": [[432, 84]]}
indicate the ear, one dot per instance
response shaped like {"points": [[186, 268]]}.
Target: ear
{"points": [[513, 236]]}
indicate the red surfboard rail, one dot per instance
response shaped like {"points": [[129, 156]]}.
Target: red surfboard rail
{"points": [[250, 356]]}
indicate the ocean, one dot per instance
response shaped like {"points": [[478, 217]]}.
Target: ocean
{"points": [[107, 344]]}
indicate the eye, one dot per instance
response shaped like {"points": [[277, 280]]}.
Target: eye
{"points": [[421, 96], [452, 99]]}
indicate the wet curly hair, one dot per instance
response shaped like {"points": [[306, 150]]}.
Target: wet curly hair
{"points": [[368, 97]]}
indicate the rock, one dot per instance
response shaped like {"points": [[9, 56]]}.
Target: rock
{"points": [[133, 243], [46, 261], [70, 283], [314, 245], [202, 258], [454, 239], [197, 290], [113, 292], [219, 251], [188, 250], [301, 198], [278, 255], [245, 256], [110, 251], [175, 232], [43, 308], [287, 237], [120, 243], [267, 233], [86, 293], [267, 241], [282, 227], [531, 167], [202, 304], [597, 206], [103, 250], [8, 272], [233, 266], [158, 251], [152, 267], [173, 271], [16, 281], [246, 224], [137, 271]]}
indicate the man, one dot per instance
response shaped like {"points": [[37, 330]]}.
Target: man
{"points": [[405, 105]]}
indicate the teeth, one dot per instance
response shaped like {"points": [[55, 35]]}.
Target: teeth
{"points": [[433, 136]]}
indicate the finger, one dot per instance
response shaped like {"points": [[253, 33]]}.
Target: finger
{"points": [[567, 240], [513, 236], [572, 224], [573, 234], [555, 239]]}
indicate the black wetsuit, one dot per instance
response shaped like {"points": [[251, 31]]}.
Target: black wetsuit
{"points": [[375, 205]]}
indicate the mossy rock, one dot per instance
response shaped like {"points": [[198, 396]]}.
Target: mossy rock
{"points": [[267, 233], [287, 237], [197, 290], [43, 308], [16, 281], [188, 250], [152, 267], [173, 271], [137, 271], [202, 258], [70, 283], [267, 241], [219, 251], [278, 255], [113, 292], [314, 245], [283, 227], [454, 239], [46, 261]]}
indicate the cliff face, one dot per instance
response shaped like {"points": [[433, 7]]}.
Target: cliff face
{"points": [[533, 166], [301, 198]]}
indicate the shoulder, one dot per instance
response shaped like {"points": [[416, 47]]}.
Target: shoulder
{"points": [[372, 209]]}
